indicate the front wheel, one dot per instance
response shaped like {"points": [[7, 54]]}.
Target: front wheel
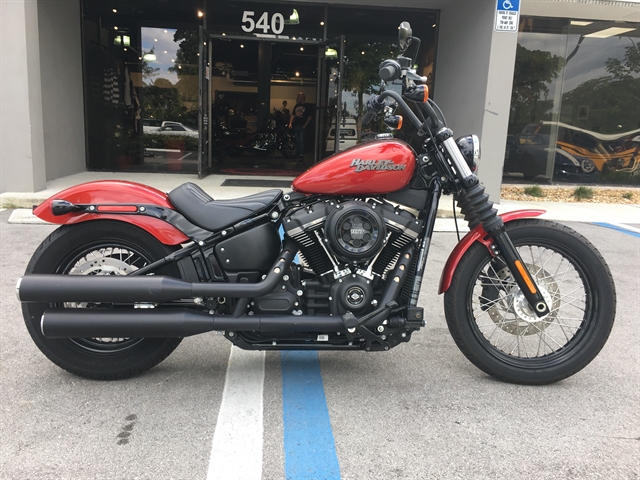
{"points": [[98, 248], [494, 326], [289, 148]]}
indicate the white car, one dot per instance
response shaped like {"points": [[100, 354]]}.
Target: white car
{"points": [[171, 128], [348, 135]]}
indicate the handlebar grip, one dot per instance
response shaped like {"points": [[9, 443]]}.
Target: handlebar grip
{"points": [[389, 70], [373, 107], [368, 117]]}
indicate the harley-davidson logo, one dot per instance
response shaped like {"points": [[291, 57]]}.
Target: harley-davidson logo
{"points": [[362, 165]]}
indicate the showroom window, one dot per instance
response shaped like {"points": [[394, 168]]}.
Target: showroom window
{"points": [[575, 105]]}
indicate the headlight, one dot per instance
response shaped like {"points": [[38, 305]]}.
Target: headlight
{"points": [[470, 148]]}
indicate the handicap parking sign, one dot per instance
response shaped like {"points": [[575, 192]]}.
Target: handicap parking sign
{"points": [[507, 15]]}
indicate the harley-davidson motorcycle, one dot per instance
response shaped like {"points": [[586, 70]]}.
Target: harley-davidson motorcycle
{"points": [[335, 264]]}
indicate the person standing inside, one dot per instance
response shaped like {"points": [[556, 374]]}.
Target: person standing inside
{"points": [[300, 119]]}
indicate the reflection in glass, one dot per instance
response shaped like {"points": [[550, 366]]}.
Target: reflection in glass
{"points": [[170, 98], [575, 109]]}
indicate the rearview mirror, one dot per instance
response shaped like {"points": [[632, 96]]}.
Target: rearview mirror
{"points": [[405, 34]]}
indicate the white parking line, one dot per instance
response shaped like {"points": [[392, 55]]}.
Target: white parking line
{"points": [[236, 453]]}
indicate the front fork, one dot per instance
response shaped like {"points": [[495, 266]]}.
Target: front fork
{"points": [[504, 248], [478, 210]]}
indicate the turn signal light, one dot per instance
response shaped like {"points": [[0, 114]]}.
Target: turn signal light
{"points": [[393, 121], [419, 93]]}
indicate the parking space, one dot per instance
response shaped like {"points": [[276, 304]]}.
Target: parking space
{"points": [[419, 411]]}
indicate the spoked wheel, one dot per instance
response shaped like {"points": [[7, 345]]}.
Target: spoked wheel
{"points": [[98, 248], [494, 326]]}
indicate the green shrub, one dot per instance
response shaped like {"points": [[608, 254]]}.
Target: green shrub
{"points": [[583, 193], [534, 191], [627, 195], [174, 142]]}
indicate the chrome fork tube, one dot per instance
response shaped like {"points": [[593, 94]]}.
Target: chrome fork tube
{"points": [[445, 137]]}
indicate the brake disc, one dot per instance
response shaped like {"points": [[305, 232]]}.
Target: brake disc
{"points": [[512, 313]]}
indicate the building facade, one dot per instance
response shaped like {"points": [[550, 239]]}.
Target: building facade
{"points": [[200, 86]]}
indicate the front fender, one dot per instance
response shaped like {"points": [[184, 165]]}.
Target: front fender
{"points": [[114, 192], [480, 235]]}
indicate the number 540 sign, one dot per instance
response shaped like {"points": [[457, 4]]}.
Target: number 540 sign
{"points": [[274, 24]]}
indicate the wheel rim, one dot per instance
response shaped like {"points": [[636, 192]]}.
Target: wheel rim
{"points": [[107, 258], [504, 322]]}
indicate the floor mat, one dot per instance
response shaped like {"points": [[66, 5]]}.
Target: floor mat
{"points": [[251, 182], [261, 171]]}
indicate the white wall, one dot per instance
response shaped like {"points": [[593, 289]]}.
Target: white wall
{"points": [[62, 88], [474, 76], [21, 135]]}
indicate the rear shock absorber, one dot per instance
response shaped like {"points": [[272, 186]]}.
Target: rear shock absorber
{"points": [[477, 209]]}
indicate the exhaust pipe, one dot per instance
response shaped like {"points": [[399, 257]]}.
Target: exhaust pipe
{"points": [[171, 322], [143, 288]]}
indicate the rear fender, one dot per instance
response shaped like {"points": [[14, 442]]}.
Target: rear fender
{"points": [[107, 192], [478, 234]]}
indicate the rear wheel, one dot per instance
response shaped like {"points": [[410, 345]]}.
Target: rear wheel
{"points": [[493, 325], [98, 248]]}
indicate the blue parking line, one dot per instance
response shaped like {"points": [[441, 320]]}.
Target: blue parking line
{"points": [[309, 449], [619, 229]]}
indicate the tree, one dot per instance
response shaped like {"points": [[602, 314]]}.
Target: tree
{"points": [[534, 71], [361, 70], [613, 100]]}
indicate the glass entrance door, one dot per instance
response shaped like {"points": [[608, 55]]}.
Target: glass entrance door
{"points": [[253, 86], [204, 105], [329, 99]]}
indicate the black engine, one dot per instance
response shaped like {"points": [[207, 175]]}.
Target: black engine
{"points": [[347, 249]]}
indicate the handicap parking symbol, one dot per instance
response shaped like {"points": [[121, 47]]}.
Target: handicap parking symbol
{"points": [[507, 15], [510, 5]]}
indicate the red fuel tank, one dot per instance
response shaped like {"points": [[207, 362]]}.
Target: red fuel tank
{"points": [[383, 166]]}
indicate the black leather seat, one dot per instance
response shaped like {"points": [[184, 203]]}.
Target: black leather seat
{"points": [[199, 208]]}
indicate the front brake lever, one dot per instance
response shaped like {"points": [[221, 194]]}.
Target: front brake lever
{"points": [[415, 77]]}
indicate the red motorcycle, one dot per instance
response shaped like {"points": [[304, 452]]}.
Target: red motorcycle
{"points": [[133, 270]]}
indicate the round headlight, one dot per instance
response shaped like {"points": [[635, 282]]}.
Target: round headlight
{"points": [[470, 148]]}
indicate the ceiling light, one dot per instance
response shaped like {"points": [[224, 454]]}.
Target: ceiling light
{"points": [[297, 74], [155, 39], [609, 32], [302, 49], [433, 26], [580, 23], [200, 14], [321, 23], [115, 28], [362, 52], [115, 11], [241, 46], [294, 18]]}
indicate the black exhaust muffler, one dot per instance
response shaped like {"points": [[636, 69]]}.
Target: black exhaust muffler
{"points": [[171, 322], [144, 288]]}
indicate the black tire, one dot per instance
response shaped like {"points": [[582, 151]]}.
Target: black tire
{"points": [[121, 247], [289, 148], [493, 326]]}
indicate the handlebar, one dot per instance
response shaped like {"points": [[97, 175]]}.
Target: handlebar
{"points": [[376, 104]]}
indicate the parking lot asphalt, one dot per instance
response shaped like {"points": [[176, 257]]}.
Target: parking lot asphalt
{"points": [[419, 411]]}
